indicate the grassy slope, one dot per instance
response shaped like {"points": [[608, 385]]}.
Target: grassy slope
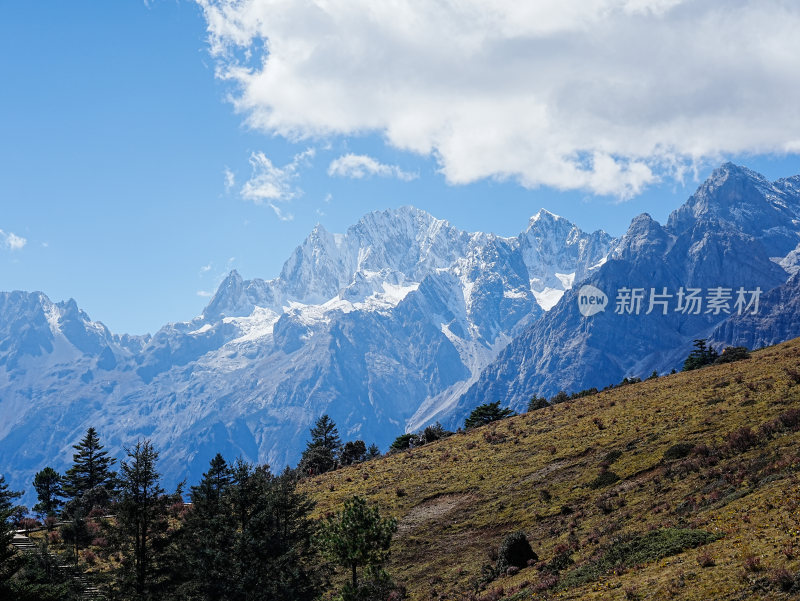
{"points": [[456, 499]]}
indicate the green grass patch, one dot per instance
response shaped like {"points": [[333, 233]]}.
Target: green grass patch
{"points": [[638, 549]]}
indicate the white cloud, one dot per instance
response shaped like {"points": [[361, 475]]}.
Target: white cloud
{"points": [[204, 293], [11, 241], [358, 166], [271, 185], [230, 179], [602, 95]]}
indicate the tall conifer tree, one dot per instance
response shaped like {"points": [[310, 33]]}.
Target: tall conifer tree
{"points": [[91, 467], [49, 490], [141, 514]]}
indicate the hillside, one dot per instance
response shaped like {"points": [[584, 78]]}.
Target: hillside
{"points": [[735, 478]]}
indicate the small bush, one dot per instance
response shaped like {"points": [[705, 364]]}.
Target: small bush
{"points": [[705, 560], [790, 419], [493, 437], [403, 442], [741, 440], [733, 353], [782, 579], [515, 551], [605, 478], [562, 559], [678, 451], [612, 456], [794, 375], [545, 582], [752, 563]]}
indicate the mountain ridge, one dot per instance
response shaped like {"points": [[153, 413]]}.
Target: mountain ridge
{"points": [[377, 326], [398, 322]]}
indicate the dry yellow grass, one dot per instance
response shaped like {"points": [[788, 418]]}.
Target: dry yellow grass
{"points": [[456, 499]]}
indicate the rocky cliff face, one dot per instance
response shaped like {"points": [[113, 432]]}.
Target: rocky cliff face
{"points": [[738, 231]]}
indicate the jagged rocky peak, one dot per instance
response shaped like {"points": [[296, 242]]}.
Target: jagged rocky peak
{"points": [[554, 245], [227, 298], [745, 200], [407, 240]]}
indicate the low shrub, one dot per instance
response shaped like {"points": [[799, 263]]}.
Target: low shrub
{"points": [[515, 551], [782, 579], [752, 563], [740, 440], [605, 478], [733, 353], [705, 560], [678, 451]]}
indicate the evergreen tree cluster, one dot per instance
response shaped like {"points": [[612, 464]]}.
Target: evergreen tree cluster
{"points": [[430, 434], [486, 414], [247, 534], [325, 451]]}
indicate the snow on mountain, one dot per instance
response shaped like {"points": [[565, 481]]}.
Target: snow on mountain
{"points": [[383, 327], [738, 231]]}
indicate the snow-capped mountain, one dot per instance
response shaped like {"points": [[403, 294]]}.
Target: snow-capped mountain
{"points": [[383, 327], [398, 322], [738, 231]]}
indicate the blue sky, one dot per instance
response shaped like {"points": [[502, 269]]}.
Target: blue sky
{"points": [[141, 159]]}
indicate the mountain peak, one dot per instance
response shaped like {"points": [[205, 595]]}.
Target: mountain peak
{"points": [[545, 215], [731, 193], [731, 170], [227, 295]]}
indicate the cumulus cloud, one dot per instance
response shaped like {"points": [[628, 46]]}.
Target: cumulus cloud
{"points": [[602, 95], [272, 185], [358, 166], [11, 241]]}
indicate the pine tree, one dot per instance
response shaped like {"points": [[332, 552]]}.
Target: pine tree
{"points": [[141, 514], [248, 535], [373, 452], [7, 496], [486, 413], [278, 556], [48, 490], [701, 356], [10, 560], [536, 403], [354, 451], [322, 450], [205, 559], [91, 468], [357, 537]]}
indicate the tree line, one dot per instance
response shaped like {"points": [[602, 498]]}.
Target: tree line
{"points": [[245, 534]]}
